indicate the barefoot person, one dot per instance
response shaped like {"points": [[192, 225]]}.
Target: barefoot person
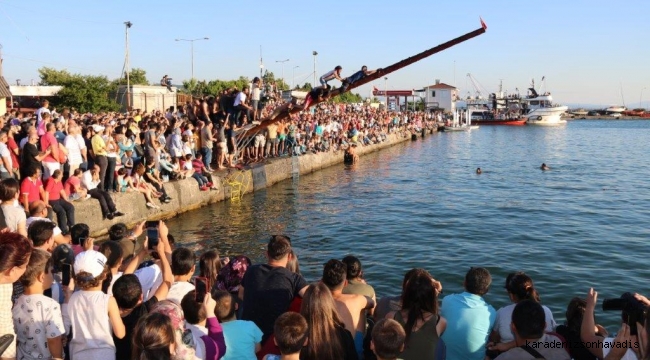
{"points": [[356, 77], [331, 75]]}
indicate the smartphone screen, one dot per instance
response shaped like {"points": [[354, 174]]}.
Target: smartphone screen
{"points": [[201, 288], [152, 224], [66, 272], [82, 242], [152, 238]]}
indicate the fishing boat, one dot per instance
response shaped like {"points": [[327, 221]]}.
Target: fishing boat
{"points": [[497, 109], [539, 109]]}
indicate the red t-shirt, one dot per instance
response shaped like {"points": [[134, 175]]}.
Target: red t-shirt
{"points": [[11, 143], [48, 140], [72, 183], [54, 188], [32, 189]]}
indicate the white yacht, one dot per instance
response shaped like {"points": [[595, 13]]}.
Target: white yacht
{"points": [[540, 110], [615, 109]]}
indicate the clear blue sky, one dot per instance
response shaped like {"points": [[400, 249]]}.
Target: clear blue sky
{"points": [[586, 49]]}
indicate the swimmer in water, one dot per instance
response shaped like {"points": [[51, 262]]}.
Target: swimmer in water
{"points": [[479, 171], [544, 167]]}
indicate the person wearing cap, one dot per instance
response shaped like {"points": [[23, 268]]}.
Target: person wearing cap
{"points": [[331, 75], [95, 316], [99, 152]]}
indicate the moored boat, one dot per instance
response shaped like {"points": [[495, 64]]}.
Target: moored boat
{"points": [[539, 109]]}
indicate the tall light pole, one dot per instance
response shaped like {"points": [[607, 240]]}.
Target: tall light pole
{"points": [[192, 49], [127, 66], [386, 90], [641, 98], [315, 53], [293, 76], [282, 61]]}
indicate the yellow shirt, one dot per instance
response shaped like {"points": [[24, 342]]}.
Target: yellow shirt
{"points": [[98, 143], [137, 118]]}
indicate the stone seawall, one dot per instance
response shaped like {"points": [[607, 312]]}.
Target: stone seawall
{"points": [[186, 195]]}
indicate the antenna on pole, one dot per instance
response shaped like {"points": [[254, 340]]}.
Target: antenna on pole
{"points": [[127, 66]]}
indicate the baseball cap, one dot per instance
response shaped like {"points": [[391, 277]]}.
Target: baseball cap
{"points": [[98, 128], [90, 261]]}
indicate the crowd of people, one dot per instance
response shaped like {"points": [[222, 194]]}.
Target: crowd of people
{"points": [[144, 298]]}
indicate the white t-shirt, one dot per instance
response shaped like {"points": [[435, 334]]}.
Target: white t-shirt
{"points": [[74, 144], [255, 95], [4, 152], [113, 280], [150, 279], [504, 319], [629, 354], [40, 112], [240, 99], [31, 219], [87, 181], [92, 334], [36, 319], [179, 290]]}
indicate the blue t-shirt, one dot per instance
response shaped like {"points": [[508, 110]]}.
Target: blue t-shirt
{"points": [[469, 322], [241, 337]]}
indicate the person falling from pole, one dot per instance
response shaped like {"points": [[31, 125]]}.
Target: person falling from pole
{"points": [[331, 75], [315, 95], [356, 77]]}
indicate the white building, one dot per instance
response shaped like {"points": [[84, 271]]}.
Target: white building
{"points": [[146, 98], [440, 96]]}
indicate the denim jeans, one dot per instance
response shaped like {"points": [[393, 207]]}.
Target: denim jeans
{"points": [[207, 156]]}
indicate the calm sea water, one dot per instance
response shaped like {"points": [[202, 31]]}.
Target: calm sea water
{"points": [[584, 223]]}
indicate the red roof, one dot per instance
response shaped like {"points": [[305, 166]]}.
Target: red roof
{"points": [[441, 86]]}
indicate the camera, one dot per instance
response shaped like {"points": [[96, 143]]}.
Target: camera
{"points": [[633, 310]]}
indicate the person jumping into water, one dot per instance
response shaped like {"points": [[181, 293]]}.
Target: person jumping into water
{"points": [[331, 75]]}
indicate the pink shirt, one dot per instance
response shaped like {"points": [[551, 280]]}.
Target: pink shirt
{"points": [[71, 184], [48, 140]]}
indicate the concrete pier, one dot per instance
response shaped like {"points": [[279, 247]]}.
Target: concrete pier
{"points": [[186, 195]]}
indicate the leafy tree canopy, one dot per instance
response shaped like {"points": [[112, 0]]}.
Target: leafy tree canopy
{"points": [[86, 93]]}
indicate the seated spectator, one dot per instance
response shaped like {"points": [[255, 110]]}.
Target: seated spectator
{"points": [[95, 316], [570, 331], [37, 318], [388, 338], [469, 317], [12, 215], [144, 187], [355, 282], [183, 266], [38, 211], [91, 181], [351, 307], [32, 188], [394, 303], [209, 266], [57, 199], [519, 287], [268, 289], [243, 338], [604, 348], [128, 295], [154, 338], [152, 177], [202, 173], [328, 338], [215, 346], [292, 330], [73, 188], [419, 317], [532, 343]]}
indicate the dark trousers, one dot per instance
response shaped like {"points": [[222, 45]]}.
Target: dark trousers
{"points": [[160, 189], [102, 162], [109, 180], [64, 214], [105, 201]]}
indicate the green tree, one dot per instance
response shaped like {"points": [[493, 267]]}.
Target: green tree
{"points": [[137, 76], [347, 97], [86, 93], [304, 87]]}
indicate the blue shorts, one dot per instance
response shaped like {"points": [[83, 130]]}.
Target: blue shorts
{"points": [[322, 81]]}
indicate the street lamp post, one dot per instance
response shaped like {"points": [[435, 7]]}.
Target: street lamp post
{"points": [[192, 49], [386, 90], [315, 53], [293, 76], [282, 61]]}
